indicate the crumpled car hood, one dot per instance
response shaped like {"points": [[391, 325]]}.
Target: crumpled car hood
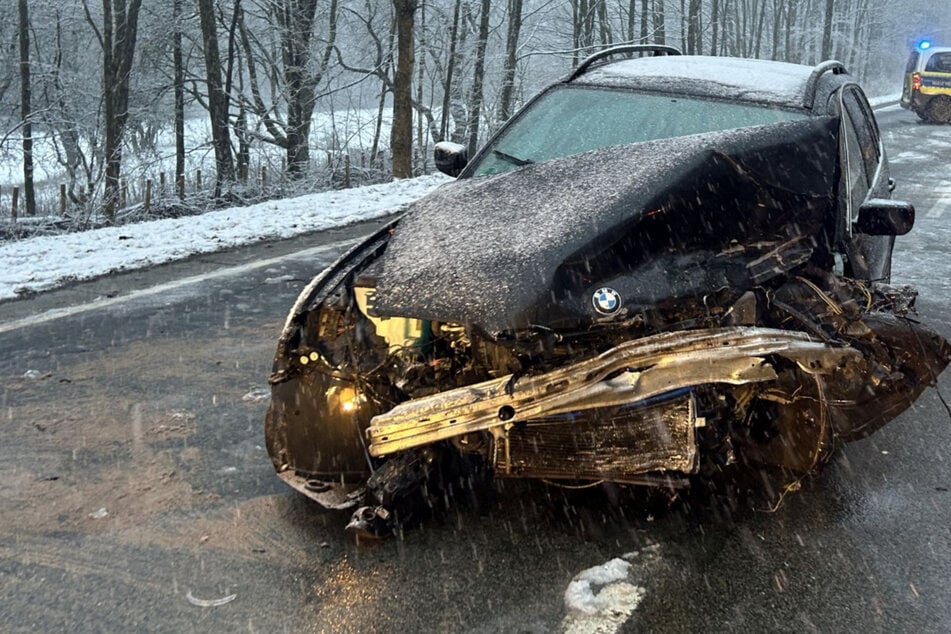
{"points": [[486, 251]]}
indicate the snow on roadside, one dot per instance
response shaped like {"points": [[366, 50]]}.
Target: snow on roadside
{"points": [[46, 262]]}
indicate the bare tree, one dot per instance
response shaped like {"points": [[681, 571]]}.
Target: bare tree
{"points": [[476, 95], [73, 129], [660, 22], [26, 109], [827, 29], [401, 135], [293, 80], [694, 34], [217, 98], [451, 62], [511, 50], [178, 81], [120, 22]]}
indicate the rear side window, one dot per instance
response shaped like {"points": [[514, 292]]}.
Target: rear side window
{"points": [[939, 63], [912, 62]]}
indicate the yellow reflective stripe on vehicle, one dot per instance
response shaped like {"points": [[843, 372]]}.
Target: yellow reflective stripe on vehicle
{"points": [[935, 84]]}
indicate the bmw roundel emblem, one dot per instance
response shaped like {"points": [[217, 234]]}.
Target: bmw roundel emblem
{"points": [[606, 301]]}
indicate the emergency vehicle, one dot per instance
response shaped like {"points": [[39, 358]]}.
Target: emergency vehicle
{"points": [[926, 89]]}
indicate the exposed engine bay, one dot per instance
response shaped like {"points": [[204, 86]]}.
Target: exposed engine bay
{"points": [[777, 377], [670, 351]]}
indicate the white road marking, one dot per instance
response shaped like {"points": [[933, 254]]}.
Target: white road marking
{"points": [[168, 287], [890, 108], [944, 201]]}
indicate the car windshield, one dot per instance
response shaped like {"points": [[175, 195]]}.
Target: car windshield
{"points": [[569, 120]]}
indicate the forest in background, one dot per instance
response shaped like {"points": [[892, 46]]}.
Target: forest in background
{"points": [[219, 101]]}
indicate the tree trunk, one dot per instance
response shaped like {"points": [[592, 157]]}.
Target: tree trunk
{"points": [[760, 26], [450, 70], [420, 138], [26, 110], [631, 20], [384, 91], [217, 99], [587, 37], [297, 28], [660, 28], [715, 20], [457, 107], [827, 30], [179, 81], [120, 27], [604, 24], [401, 135], [645, 16], [683, 26], [511, 49], [478, 77], [787, 40], [694, 35], [778, 11]]}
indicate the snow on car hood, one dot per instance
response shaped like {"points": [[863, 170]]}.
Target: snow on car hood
{"points": [[485, 250]]}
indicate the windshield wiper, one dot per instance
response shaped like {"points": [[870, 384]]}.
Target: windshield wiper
{"points": [[512, 159]]}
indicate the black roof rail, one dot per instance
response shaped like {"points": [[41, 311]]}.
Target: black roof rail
{"points": [[656, 49], [812, 84]]}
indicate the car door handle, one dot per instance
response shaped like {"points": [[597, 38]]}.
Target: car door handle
{"points": [[892, 184]]}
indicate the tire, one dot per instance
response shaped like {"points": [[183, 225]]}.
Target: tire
{"points": [[939, 109]]}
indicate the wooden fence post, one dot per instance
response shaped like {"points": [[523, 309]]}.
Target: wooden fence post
{"points": [[346, 171], [263, 178], [62, 200], [13, 203], [198, 180], [123, 194], [148, 195], [161, 183]]}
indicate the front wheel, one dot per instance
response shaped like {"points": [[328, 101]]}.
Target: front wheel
{"points": [[939, 109]]}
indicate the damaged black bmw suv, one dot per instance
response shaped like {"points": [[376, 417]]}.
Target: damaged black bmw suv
{"points": [[659, 267]]}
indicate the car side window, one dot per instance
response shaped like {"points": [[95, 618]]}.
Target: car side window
{"points": [[939, 63], [912, 62], [866, 130]]}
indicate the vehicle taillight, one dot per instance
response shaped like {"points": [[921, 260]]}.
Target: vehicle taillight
{"points": [[916, 81]]}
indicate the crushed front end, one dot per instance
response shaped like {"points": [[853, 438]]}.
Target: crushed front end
{"points": [[662, 335]]}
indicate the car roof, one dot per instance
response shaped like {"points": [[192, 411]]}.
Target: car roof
{"points": [[761, 81], [927, 54]]}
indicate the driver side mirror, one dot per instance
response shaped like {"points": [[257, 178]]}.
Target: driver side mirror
{"points": [[884, 217], [450, 158]]}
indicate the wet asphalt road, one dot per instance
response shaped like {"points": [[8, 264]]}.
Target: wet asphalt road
{"points": [[134, 478]]}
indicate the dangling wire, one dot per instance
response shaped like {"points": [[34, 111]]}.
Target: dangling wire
{"points": [[796, 484], [831, 303]]}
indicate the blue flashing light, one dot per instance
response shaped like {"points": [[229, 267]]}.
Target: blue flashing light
{"points": [[924, 45]]}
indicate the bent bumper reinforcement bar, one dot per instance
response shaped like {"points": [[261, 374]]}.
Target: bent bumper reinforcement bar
{"points": [[629, 373]]}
